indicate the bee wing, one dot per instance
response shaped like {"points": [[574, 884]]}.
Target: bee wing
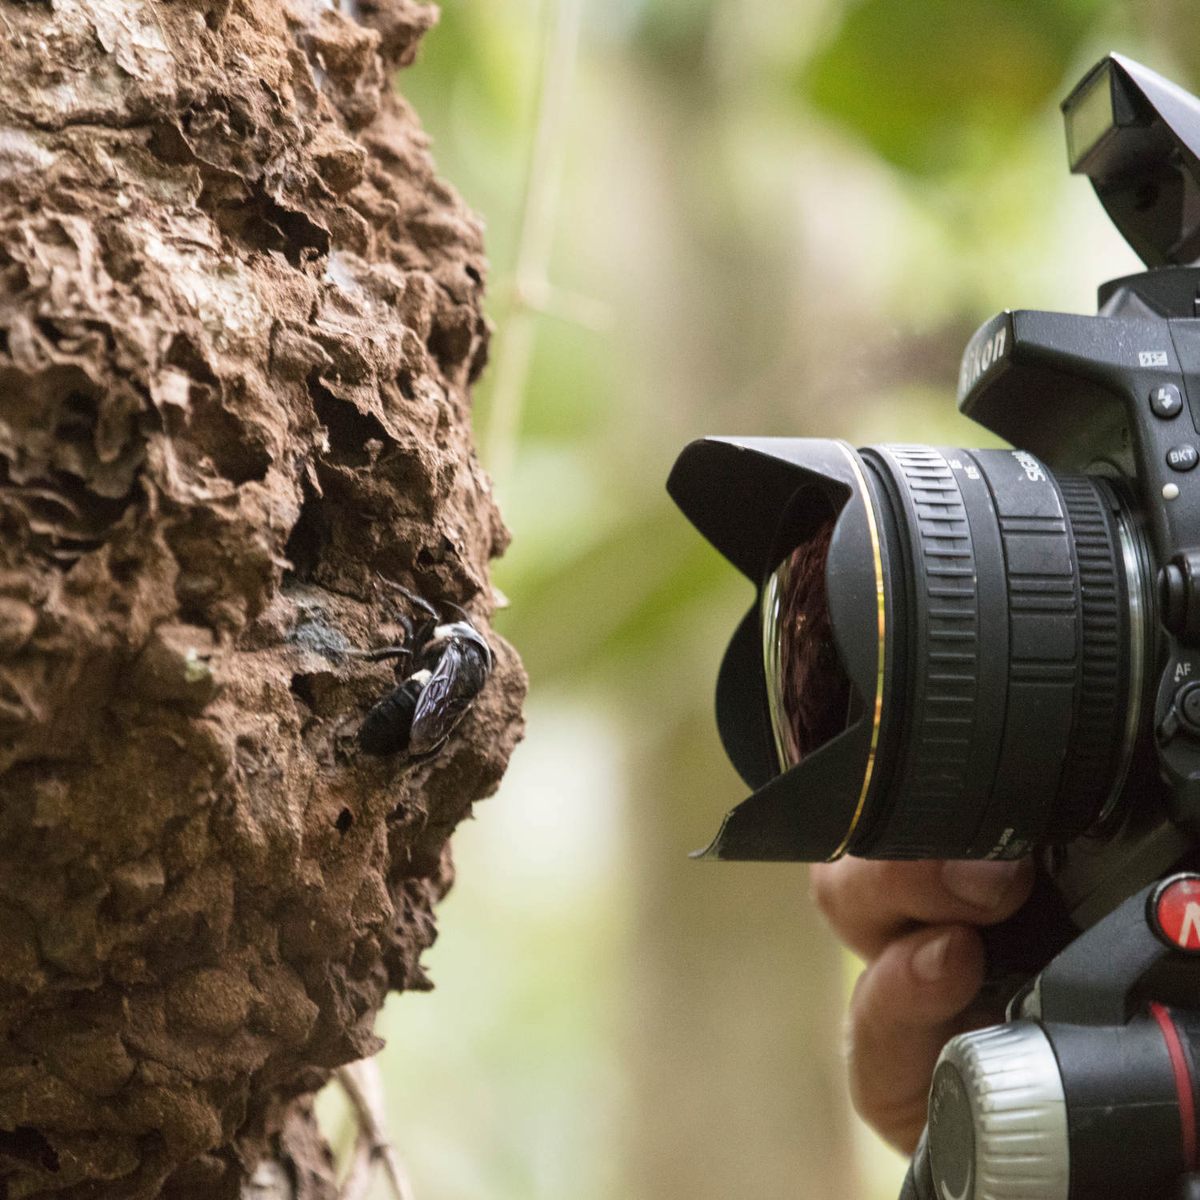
{"points": [[446, 696]]}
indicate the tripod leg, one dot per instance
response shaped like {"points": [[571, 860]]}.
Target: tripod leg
{"points": [[918, 1183]]}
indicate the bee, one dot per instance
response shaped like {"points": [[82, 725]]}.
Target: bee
{"points": [[447, 665]]}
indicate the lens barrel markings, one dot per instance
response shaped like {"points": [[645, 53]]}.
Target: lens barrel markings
{"points": [[1044, 645], [1014, 696]]}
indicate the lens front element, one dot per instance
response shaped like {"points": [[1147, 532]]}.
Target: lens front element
{"points": [[807, 687]]}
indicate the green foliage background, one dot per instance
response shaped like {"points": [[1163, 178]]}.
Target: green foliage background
{"points": [[791, 214]]}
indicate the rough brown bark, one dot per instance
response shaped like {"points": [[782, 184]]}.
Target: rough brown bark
{"points": [[239, 318]]}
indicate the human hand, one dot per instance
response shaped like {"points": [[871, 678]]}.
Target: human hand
{"points": [[916, 925]]}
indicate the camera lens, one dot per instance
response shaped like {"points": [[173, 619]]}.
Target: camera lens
{"points": [[1012, 646], [807, 685]]}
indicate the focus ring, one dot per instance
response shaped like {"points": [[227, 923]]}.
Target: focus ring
{"points": [[943, 702], [1096, 738]]}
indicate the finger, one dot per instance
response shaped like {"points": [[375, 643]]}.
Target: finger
{"points": [[905, 1007], [869, 902]]}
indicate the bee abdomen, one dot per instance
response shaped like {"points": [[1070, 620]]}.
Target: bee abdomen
{"points": [[387, 727]]}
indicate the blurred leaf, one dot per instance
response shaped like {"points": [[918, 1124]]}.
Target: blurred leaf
{"points": [[935, 84], [674, 33], [608, 608], [474, 46], [474, 85]]}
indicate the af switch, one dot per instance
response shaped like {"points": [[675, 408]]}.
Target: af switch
{"points": [[1182, 715], [1165, 401]]}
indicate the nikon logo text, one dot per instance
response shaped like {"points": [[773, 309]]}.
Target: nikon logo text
{"points": [[978, 359]]}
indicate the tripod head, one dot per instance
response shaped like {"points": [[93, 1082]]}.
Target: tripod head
{"points": [[1089, 1091]]}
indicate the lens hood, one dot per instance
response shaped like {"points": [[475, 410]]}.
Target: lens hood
{"points": [[749, 497]]}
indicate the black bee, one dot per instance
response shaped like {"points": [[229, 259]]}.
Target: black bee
{"points": [[448, 664]]}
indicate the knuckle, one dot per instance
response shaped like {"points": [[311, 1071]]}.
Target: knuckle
{"points": [[871, 1021], [824, 888], [860, 1017], [868, 1086], [887, 1096], [899, 880]]}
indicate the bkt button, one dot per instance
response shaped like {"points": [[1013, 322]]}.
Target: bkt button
{"points": [[1182, 457], [1174, 912]]}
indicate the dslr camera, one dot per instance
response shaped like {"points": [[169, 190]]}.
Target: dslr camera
{"points": [[958, 653]]}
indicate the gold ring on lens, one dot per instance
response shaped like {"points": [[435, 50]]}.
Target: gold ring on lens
{"points": [[877, 717]]}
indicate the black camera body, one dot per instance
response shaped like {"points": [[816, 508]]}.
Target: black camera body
{"points": [[1119, 394], [962, 653]]}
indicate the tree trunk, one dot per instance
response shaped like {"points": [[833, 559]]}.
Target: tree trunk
{"points": [[239, 319], [738, 1082]]}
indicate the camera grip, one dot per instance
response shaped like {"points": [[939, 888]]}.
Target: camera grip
{"points": [[1017, 949]]}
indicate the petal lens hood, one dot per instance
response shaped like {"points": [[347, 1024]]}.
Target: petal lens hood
{"points": [[753, 499]]}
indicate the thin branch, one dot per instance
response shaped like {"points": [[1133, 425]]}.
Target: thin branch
{"points": [[363, 1084], [269, 1182], [357, 1183], [540, 212], [541, 296]]}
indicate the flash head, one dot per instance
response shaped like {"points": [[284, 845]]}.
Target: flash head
{"points": [[1136, 135]]}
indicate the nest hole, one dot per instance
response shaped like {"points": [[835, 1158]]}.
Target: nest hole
{"points": [[28, 1145], [303, 690], [309, 537], [232, 445], [349, 429]]}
